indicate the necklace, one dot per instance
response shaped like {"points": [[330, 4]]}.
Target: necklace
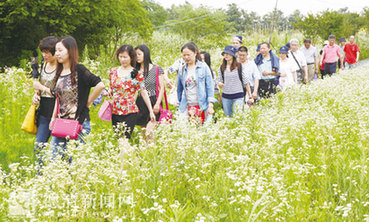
{"points": [[47, 71]]}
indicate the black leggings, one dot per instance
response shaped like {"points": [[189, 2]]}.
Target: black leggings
{"points": [[130, 122]]}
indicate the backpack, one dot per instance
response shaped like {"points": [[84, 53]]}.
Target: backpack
{"points": [[239, 75]]}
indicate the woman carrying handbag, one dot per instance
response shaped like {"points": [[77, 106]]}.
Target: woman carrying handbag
{"points": [[154, 84], [73, 84]]}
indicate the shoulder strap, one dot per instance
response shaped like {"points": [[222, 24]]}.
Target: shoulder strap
{"points": [[240, 76], [57, 106], [296, 60], [240, 73], [222, 73]]}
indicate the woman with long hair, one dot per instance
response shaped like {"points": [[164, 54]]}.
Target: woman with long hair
{"points": [[233, 80], [125, 82], [195, 86], [150, 73], [73, 84], [205, 57]]}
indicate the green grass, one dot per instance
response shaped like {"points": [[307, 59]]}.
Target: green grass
{"points": [[300, 156]]}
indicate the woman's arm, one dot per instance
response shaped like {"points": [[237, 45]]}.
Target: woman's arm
{"points": [[146, 98], [168, 81], [209, 86], [95, 93], [160, 96], [248, 89], [54, 115], [38, 86]]}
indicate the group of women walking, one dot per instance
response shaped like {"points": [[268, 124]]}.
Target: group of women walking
{"points": [[62, 90], [136, 88]]}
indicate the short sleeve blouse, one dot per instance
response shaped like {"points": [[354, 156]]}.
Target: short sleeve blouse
{"points": [[150, 80], [124, 91]]}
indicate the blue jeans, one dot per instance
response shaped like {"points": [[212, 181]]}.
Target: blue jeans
{"points": [[230, 105], [42, 136], [59, 144]]}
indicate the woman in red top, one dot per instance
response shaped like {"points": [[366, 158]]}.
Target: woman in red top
{"points": [[125, 82]]}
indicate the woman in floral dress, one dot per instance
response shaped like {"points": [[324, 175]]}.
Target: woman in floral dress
{"points": [[125, 82]]}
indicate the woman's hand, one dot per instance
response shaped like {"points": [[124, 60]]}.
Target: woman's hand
{"points": [[210, 109], [220, 100], [170, 84], [105, 93], [221, 85], [156, 109], [51, 124], [255, 95], [152, 117], [37, 85], [36, 99], [250, 101]]}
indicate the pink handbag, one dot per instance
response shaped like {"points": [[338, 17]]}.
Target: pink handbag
{"points": [[105, 111], [166, 116], [66, 128]]}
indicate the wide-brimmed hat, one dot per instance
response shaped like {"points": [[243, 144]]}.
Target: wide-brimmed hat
{"points": [[238, 38], [230, 49], [288, 45], [283, 49], [258, 47]]}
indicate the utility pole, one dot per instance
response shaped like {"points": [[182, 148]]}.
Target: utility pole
{"points": [[272, 25]]}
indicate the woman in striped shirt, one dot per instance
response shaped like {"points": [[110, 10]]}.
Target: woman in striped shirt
{"points": [[233, 80]]}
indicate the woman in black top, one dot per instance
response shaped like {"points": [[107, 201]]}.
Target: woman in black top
{"points": [[73, 84], [144, 64]]}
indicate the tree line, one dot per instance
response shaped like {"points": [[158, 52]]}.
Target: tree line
{"points": [[96, 24]]}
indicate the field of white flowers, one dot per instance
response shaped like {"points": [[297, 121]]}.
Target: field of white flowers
{"points": [[300, 156]]}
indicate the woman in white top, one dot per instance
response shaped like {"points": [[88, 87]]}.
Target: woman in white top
{"points": [[288, 76]]}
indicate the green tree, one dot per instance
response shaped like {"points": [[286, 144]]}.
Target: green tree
{"points": [[92, 22], [235, 17], [309, 26], [294, 18], [364, 19], [155, 12], [197, 22], [330, 22], [341, 23], [352, 23]]}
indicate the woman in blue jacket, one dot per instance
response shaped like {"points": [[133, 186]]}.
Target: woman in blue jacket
{"points": [[195, 86]]}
